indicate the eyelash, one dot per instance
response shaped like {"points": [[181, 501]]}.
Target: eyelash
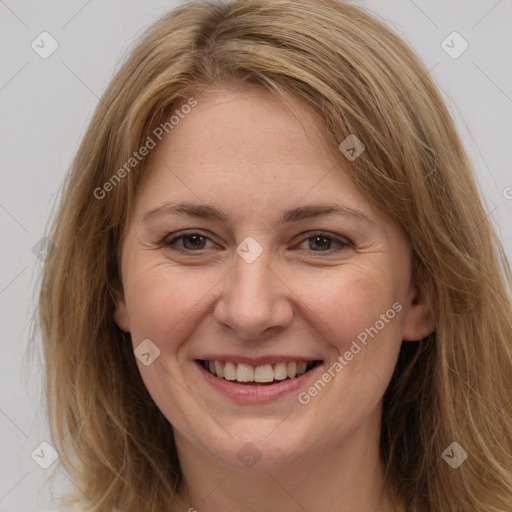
{"points": [[343, 244]]}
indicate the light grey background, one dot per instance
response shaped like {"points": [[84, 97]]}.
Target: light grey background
{"points": [[47, 103]]}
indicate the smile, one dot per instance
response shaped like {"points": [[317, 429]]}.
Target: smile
{"points": [[266, 374]]}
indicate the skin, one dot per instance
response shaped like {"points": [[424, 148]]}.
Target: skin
{"points": [[241, 151]]}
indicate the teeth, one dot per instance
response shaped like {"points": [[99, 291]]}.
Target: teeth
{"points": [[245, 373], [218, 369], [291, 370], [280, 371], [229, 371], [264, 373], [301, 368]]}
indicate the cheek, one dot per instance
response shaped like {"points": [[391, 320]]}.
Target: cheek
{"points": [[163, 299], [344, 302], [357, 315]]}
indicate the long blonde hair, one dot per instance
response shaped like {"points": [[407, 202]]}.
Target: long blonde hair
{"points": [[360, 78]]}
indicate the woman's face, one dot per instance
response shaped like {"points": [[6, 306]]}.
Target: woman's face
{"points": [[251, 252]]}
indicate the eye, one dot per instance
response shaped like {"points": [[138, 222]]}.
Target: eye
{"points": [[322, 242], [189, 242], [193, 241]]}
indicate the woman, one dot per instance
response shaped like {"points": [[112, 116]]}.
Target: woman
{"points": [[276, 287]]}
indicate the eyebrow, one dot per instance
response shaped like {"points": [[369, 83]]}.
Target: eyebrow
{"points": [[204, 211]]}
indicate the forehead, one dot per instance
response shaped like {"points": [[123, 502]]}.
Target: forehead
{"points": [[251, 126], [245, 149]]}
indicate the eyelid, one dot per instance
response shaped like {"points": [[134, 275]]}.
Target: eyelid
{"points": [[342, 242], [328, 234], [173, 237]]}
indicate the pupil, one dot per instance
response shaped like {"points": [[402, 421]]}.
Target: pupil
{"points": [[197, 241], [315, 239]]}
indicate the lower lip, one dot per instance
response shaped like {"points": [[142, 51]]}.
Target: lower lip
{"points": [[256, 394]]}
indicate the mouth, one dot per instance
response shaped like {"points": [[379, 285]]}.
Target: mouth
{"points": [[262, 375]]}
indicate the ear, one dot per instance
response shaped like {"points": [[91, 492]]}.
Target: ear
{"points": [[121, 317], [419, 320]]}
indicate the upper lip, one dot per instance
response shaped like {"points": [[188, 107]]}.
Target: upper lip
{"points": [[257, 361]]}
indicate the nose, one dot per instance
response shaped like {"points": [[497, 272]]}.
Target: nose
{"points": [[254, 302]]}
